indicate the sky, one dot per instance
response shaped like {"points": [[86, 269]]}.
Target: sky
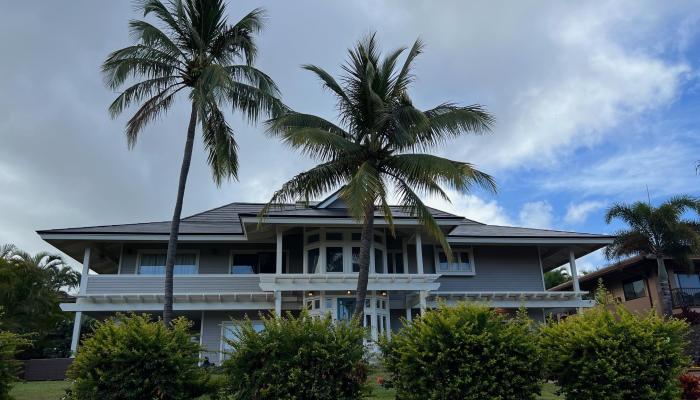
{"points": [[595, 102]]}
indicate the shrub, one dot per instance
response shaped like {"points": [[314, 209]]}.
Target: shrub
{"points": [[297, 358], [10, 344], [609, 353], [132, 357], [690, 385], [464, 352]]}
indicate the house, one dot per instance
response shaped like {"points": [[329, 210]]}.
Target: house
{"points": [[229, 265], [634, 282]]}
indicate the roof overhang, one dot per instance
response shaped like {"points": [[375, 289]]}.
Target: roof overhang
{"points": [[600, 241], [303, 221], [132, 237]]}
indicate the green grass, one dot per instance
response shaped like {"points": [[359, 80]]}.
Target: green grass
{"points": [[54, 391]]}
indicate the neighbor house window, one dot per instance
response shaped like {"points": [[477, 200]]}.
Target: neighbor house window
{"points": [[688, 281], [634, 290], [154, 264], [461, 263]]}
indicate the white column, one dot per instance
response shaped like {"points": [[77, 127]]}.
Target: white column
{"points": [[419, 253], [373, 317], [76, 334], [409, 314], [423, 296], [404, 249], [574, 273], [388, 325], [278, 303], [278, 255], [86, 271]]}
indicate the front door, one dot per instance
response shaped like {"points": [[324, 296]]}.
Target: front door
{"points": [[346, 307]]}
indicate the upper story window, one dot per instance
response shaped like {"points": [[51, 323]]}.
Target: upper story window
{"points": [[395, 262], [263, 262], [688, 281], [330, 250], [154, 264], [634, 290], [462, 263]]}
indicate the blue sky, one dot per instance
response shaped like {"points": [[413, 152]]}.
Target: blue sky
{"points": [[595, 102]]}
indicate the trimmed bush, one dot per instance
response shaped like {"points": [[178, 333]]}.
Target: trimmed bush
{"points": [[464, 352], [10, 344], [609, 353], [297, 358], [132, 357]]}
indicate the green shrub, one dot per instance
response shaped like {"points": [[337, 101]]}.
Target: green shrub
{"points": [[132, 357], [297, 358], [609, 353], [10, 344], [464, 352]]}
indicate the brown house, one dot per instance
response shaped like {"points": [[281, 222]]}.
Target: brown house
{"points": [[634, 282]]}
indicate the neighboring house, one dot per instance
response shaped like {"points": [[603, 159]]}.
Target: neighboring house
{"points": [[229, 266], [634, 282]]}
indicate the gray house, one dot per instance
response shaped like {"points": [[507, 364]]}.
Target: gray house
{"points": [[229, 267]]}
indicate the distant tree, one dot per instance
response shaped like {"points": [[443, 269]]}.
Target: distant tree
{"points": [[377, 145], [193, 50], [556, 277], [657, 232], [60, 275]]}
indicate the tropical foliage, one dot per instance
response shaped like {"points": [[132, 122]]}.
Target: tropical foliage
{"points": [[194, 50], [372, 147], [132, 357], [610, 353], [10, 344], [464, 352], [556, 277], [659, 232], [297, 358]]}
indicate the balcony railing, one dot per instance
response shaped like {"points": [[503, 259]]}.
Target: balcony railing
{"points": [[685, 297]]}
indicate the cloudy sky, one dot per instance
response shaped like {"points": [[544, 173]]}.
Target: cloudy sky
{"points": [[596, 102]]}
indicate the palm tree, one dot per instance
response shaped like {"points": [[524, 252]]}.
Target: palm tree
{"points": [[194, 49], [657, 232], [59, 274], [372, 146]]}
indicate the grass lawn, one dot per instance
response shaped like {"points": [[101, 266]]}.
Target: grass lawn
{"points": [[54, 391]]}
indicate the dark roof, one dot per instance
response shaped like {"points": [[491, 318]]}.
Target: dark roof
{"points": [[227, 219], [496, 231], [618, 266]]}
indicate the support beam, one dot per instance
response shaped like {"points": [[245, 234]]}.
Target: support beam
{"points": [[423, 296], [419, 254], [373, 317], [278, 303], [404, 250], [278, 254], [76, 334], [85, 272], [574, 273], [409, 314]]}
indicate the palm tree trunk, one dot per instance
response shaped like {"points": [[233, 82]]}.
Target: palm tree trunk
{"points": [[363, 276], [664, 288], [175, 224]]}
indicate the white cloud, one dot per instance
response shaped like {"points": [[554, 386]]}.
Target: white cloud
{"points": [[473, 207], [577, 213], [536, 214]]}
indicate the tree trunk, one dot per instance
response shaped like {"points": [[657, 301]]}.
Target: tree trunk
{"points": [[664, 287], [175, 224], [365, 248]]}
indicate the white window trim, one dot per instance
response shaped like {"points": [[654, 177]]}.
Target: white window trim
{"points": [[347, 244], [223, 326], [139, 253], [469, 251], [285, 254]]}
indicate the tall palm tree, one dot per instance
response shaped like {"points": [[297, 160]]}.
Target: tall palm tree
{"points": [[192, 49], [373, 146], [657, 232]]}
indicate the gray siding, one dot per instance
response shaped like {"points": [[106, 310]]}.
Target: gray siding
{"points": [[193, 284], [499, 268]]}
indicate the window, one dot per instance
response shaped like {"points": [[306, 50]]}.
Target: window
{"points": [[229, 331], [255, 263], [313, 238], [154, 264], [334, 259], [634, 290], [395, 260], [461, 263], [356, 236], [378, 261], [313, 260], [337, 236], [688, 281], [355, 259], [244, 264]]}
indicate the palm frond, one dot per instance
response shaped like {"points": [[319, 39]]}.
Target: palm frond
{"points": [[220, 144], [138, 61], [150, 36], [237, 40], [148, 112], [405, 78], [139, 91], [363, 190]]}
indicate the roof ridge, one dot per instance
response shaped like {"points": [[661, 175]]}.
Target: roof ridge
{"points": [[547, 230]]}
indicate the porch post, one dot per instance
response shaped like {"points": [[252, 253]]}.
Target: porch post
{"points": [[278, 254], [423, 296], [76, 334], [85, 272], [373, 316], [419, 254], [574, 273], [409, 314], [404, 250], [278, 303]]}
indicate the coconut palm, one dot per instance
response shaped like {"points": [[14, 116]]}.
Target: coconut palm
{"points": [[657, 232], [371, 148], [194, 50], [59, 274]]}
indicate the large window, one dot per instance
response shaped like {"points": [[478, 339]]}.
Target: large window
{"points": [[334, 250], [313, 260], [334, 259], [154, 264], [461, 264], [395, 260], [229, 331], [634, 290], [688, 281], [264, 262]]}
